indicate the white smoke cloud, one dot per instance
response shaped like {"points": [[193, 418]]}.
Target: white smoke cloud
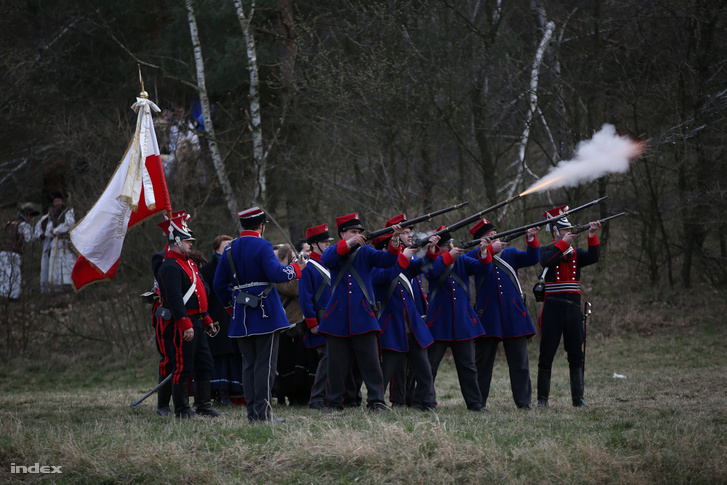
{"points": [[605, 153]]}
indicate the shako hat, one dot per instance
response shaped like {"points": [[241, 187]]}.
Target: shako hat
{"points": [[482, 227], [560, 223], [381, 241], [351, 221], [175, 226], [251, 218], [317, 234], [445, 238]]}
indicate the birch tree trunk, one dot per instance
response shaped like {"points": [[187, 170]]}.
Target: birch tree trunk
{"points": [[532, 109], [259, 156], [205, 104]]}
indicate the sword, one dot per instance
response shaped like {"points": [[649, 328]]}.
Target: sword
{"points": [[287, 239], [586, 314], [136, 403]]}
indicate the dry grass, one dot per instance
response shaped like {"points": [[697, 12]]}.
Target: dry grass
{"points": [[665, 422]]}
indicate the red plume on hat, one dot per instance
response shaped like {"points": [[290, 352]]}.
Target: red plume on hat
{"points": [[350, 221], [560, 223], [175, 226], [482, 227]]}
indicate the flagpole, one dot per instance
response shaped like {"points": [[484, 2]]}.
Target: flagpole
{"points": [[145, 95]]}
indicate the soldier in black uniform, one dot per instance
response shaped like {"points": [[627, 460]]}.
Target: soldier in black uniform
{"points": [[183, 292], [561, 312]]}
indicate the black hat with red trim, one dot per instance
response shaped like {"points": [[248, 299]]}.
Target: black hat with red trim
{"points": [[482, 227], [317, 234], [251, 218], [350, 221], [445, 238]]}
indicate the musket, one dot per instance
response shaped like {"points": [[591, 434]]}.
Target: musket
{"points": [[577, 229], [467, 220], [410, 222], [586, 314], [136, 403], [511, 234]]}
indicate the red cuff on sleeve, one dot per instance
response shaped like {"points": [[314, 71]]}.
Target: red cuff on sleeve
{"points": [[311, 322], [534, 243], [207, 320], [593, 241], [432, 256], [490, 251], [298, 272], [562, 245], [394, 249], [184, 323], [342, 247], [487, 259], [403, 262], [447, 258]]}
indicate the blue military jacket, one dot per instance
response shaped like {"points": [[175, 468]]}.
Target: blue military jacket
{"points": [[400, 315], [313, 276], [499, 304], [256, 266], [450, 316], [348, 312]]}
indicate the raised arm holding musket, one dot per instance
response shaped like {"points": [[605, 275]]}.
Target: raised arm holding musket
{"points": [[561, 313], [501, 309], [451, 318], [404, 335], [349, 322]]}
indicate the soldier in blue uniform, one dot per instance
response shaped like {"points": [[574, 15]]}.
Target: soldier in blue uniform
{"points": [[561, 313], [404, 335], [451, 318], [349, 322], [244, 282], [501, 309], [183, 292], [314, 291]]}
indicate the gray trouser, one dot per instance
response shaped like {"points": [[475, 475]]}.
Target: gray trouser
{"points": [[365, 348], [463, 352], [318, 391], [516, 353], [259, 363]]}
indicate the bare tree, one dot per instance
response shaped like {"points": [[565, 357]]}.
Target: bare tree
{"points": [[205, 104]]}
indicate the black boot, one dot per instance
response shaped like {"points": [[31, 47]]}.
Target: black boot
{"points": [[180, 395], [164, 393], [202, 399], [576, 387], [223, 399], [543, 387]]}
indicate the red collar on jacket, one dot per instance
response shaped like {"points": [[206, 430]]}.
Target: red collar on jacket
{"points": [[176, 255], [249, 233], [315, 256]]}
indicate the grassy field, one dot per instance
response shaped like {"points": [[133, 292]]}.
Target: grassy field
{"points": [[664, 422]]}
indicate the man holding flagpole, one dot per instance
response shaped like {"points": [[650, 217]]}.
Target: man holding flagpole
{"points": [[184, 294]]}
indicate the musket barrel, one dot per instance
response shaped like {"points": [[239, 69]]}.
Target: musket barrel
{"points": [[416, 220]]}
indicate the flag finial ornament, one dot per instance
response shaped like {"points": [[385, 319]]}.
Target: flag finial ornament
{"points": [[143, 93]]}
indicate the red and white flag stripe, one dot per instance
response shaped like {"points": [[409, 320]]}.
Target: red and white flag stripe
{"points": [[136, 191]]}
